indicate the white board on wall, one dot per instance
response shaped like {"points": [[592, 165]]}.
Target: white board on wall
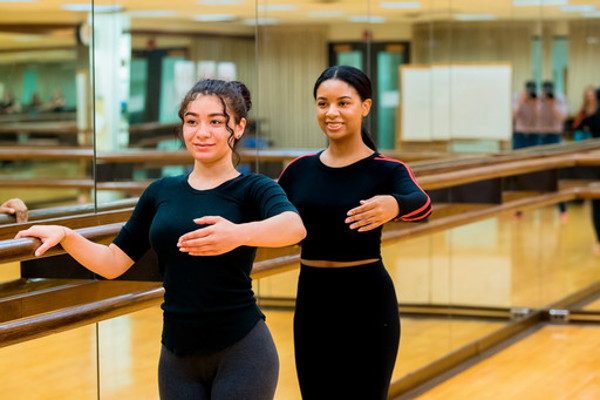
{"points": [[464, 101]]}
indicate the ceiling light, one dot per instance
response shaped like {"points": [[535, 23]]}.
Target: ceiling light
{"points": [[276, 7], [595, 14], [581, 8], [219, 2], [400, 4], [540, 2], [475, 17], [372, 19], [213, 17], [17, 1], [88, 8], [261, 21], [152, 13]]}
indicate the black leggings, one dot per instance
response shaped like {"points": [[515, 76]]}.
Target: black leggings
{"points": [[246, 370], [346, 332], [596, 217]]}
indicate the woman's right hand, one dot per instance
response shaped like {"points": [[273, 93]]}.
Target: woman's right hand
{"points": [[50, 235]]}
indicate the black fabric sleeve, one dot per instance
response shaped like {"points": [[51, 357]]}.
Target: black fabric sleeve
{"points": [[268, 198], [414, 204], [285, 178], [133, 238]]}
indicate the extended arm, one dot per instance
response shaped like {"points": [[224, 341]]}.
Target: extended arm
{"points": [[221, 235], [108, 261]]}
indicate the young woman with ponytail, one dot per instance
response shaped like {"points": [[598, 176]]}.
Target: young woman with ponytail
{"points": [[346, 322]]}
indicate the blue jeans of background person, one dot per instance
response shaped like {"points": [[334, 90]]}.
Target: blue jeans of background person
{"points": [[581, 135], [522, 140]]}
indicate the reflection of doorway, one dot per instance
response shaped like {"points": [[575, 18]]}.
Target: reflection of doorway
{"points": [[150, 97], [381, 61]]}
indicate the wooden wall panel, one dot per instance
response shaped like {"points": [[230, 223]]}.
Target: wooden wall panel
{"points": [[584, 60], [290, 60], [443, 42]]}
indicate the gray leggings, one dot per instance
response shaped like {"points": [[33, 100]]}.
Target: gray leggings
{"points": [[246, 370]]}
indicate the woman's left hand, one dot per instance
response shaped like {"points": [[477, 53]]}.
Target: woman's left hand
{"points": [[219, 237], [372, 213]]}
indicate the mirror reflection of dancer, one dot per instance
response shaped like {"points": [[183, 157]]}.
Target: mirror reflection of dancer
{"points": [[15, 207], [346, 322], [592, 124], [204, 227]]}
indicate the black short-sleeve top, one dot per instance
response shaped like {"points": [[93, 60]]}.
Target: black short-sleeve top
{"points": [[323, 195], [208, 303]]}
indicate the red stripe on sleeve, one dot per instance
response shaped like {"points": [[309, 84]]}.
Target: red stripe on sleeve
{"points": [[295, 159]]}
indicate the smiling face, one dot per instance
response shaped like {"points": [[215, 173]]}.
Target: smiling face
{"points": [[205, 130], [340, 110]]}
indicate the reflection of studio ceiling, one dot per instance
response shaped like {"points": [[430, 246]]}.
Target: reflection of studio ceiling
{"points": [[41, 23]]}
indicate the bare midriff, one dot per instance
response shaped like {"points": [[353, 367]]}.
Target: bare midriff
{"points": [[336, 264]]}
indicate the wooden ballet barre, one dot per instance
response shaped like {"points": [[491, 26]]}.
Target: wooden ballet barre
{"points": [[72, 210], [37, 326], [480, 173]]}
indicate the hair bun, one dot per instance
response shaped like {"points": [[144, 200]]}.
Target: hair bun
{"points": [[244, 92]]}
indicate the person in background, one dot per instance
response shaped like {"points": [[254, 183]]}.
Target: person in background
{"points": [[539, 120], [525, 114], [205, 227], [346, 322], [551, 122], [592, 124], [56, 103], [9, 104], [588, 108], [15, 207]]}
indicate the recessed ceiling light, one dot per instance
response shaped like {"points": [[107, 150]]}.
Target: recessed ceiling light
{"points": [[261, 21], [88, 7], [580, 8], [400, 4], [219, 2], [372, 19], [522, 3], [475, 17], [276, 7], [213, 17], [152, 13]]}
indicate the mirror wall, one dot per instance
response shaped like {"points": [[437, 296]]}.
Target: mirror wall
{"points": [[93, 93]]}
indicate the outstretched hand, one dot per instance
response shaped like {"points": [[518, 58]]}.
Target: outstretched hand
{"points": [[50, 235], [219, 237], [372, 213], [15, 207]]}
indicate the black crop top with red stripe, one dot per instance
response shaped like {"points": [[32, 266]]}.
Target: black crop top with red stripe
{"points": [[323, 195]]}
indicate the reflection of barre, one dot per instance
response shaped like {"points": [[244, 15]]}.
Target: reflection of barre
{"points": [[36, 183]]}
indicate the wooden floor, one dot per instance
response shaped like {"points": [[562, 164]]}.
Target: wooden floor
{"points": [[557, 362], [493, 263]]}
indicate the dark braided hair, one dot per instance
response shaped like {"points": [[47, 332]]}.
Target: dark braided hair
{"points": [[232, 94]]}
